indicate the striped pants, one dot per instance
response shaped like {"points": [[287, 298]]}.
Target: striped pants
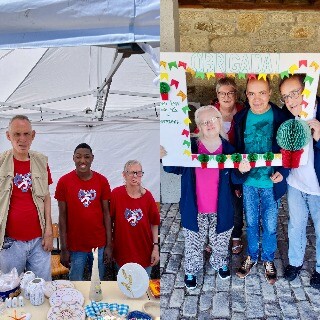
{"points": [[196, 241]]}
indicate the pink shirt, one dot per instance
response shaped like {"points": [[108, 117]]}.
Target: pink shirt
{"points": [[207, 182]]}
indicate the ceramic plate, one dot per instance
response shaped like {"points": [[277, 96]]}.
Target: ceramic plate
{"points": [[133, 280], [55, 285], [152, 308], [67, 296], [66, 311]]}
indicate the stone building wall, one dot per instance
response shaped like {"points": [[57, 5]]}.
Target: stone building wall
{"points": [[204, 30], [214, 30]]}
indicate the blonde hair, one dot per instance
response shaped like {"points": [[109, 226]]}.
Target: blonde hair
{"points": [[130, 163], [197, 120]]}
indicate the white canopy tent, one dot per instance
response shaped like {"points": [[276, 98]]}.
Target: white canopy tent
{"points": [[66, 90], [48, 23]]}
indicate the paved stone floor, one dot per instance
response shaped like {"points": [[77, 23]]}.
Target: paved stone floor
{"points": [[234, 298]]}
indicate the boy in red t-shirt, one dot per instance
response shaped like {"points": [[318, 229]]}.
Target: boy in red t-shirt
{"points": [[25, 225], [84, 221]]}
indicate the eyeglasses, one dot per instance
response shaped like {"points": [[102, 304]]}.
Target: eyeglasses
{"points": [[209, 122], [294, 94], [261, 94], [229, 94], [137, 173]]}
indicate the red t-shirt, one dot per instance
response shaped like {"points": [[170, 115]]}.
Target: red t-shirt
{"points": [[231, 133], [85, 222], [23, 220], [132, 234]]}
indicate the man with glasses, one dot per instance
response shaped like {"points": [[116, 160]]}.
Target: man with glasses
{"points": [[84, 220], [303, 185], [255, 132]]}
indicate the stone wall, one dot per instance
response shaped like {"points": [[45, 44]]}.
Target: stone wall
{"points": [[214, 30], [204, 30]]}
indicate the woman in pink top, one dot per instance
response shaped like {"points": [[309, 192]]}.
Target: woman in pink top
{"points": [[205, 205]]}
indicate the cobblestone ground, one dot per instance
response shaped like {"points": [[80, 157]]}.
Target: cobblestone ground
{"points": [[251, 298]]}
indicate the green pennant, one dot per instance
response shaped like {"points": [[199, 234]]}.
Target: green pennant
{"points": [[200, 75], [284, 74], [211, 157], [308, 79], [185, 109], [241, 75], [186, 143], [172, 64]]}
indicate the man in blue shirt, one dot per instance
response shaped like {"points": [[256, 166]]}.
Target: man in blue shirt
{"points": [[255, 132]]}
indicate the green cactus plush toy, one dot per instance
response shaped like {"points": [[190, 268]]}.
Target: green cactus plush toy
{"points": [[164, 90], [292, 136], [236, 159], [204, 159], [268, 157], [221, 159]]}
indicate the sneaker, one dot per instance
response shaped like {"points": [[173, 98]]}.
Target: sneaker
{"points": [[246, 267], [291, 272], [315, 280], [237, 246], [224, 272], [190, 281], [270, 272]]}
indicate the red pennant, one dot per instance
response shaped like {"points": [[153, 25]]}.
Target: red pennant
{"points": [[174, 83], [220, 75], [194, 157], [185, 133], [252, 76], [182, 64], [304, 103], [303, 63]]}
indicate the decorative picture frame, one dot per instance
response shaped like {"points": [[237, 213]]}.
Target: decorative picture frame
{"points": [[174, 119]]}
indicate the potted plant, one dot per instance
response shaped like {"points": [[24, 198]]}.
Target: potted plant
{"points": [[221, 159], [236, 159], [204, 159], [164, 90], [292, 136], [268, 157], [252, 158]]}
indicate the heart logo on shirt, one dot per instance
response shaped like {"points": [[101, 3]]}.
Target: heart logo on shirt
{"points": [[133, 216], [87, 196], [23, 181]]}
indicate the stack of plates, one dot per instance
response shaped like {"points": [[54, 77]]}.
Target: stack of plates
{"points": [[55, 285], [66, 303]]}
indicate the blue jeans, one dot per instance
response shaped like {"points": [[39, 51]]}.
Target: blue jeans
{"points": [[259, 203], [78, 263], [25, 256], [300, 205]]}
